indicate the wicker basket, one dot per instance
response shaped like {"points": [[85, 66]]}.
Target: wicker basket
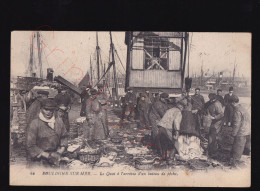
{"points": [[89, 157], [141, 165]]}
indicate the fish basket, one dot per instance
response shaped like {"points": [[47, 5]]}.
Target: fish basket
{"points": [[207, 121], [143, 164], [116, 140], [92, 157]]}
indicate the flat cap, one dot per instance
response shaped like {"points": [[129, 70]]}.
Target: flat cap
{"points": [[234, 99], [128, 89], [48, 104], [197, 89], [164, 95], [182, 102], [212, 96], [231, 89], [43, 92]]}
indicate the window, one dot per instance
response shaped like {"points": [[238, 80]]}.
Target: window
{"points": [[156, 53]]}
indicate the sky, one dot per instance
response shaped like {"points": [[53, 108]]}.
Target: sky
{"points": [[69, 52]]}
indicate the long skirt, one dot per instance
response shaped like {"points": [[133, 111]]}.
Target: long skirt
{"points": [[94, 131]]}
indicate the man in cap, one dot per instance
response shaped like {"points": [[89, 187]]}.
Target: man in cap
{"points": [[157, 111], [197, 102], [63, 98], [141, 106], [228, 107], [168, 132], [129, 104], [216, 112], [34, 109], [46, 137], [103, 100], [84, 96], [241, 125], [219, 97], [93, 128]]}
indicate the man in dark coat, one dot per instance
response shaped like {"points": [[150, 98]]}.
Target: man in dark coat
{"points": [[216, 112], [158, 109], [129, 105], [141, 106], [46, 137], [34, 109], [228, 107], [197, 102], [103, 100], [241, 125], [219, 97], [84, 96], [63, 98]]}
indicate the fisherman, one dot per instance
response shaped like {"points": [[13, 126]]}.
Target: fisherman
{"points": [[216, 112], [141, 108], [103, 100], [129, 105], [46, 137], [34, 110], [241, 125], [149, 100], [84, 96], [93, 127], [63, 98], [198, 102], [168, 132], [219, 97], [228, 108], [158, 109]]}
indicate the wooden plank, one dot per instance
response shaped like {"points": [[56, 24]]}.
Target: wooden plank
{"points": [[155, 79]]}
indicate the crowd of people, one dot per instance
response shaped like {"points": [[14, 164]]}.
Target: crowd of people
{"points": [[177, 125]]}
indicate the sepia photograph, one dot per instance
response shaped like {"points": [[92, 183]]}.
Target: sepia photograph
{"points": [[130, 108]]}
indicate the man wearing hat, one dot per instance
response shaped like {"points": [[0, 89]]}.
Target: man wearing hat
{"points": [[84, 96], [219, 97], [241, 125], [103, 100], [228, 107], [157, 111], [168, 132], [129, 104], [93, 128], [197, 102], [216, 112], [141, 106], [34, 109], [46, 137]]}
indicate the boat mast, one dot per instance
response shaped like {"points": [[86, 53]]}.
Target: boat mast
{"points": [[91, 73], [114, 67], [97, 49], [39, 54]]}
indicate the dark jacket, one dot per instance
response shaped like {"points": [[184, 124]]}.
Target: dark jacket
{"points": [[241, 122], [40, 137], [227, 99], [130, 98], [197, 102]]}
